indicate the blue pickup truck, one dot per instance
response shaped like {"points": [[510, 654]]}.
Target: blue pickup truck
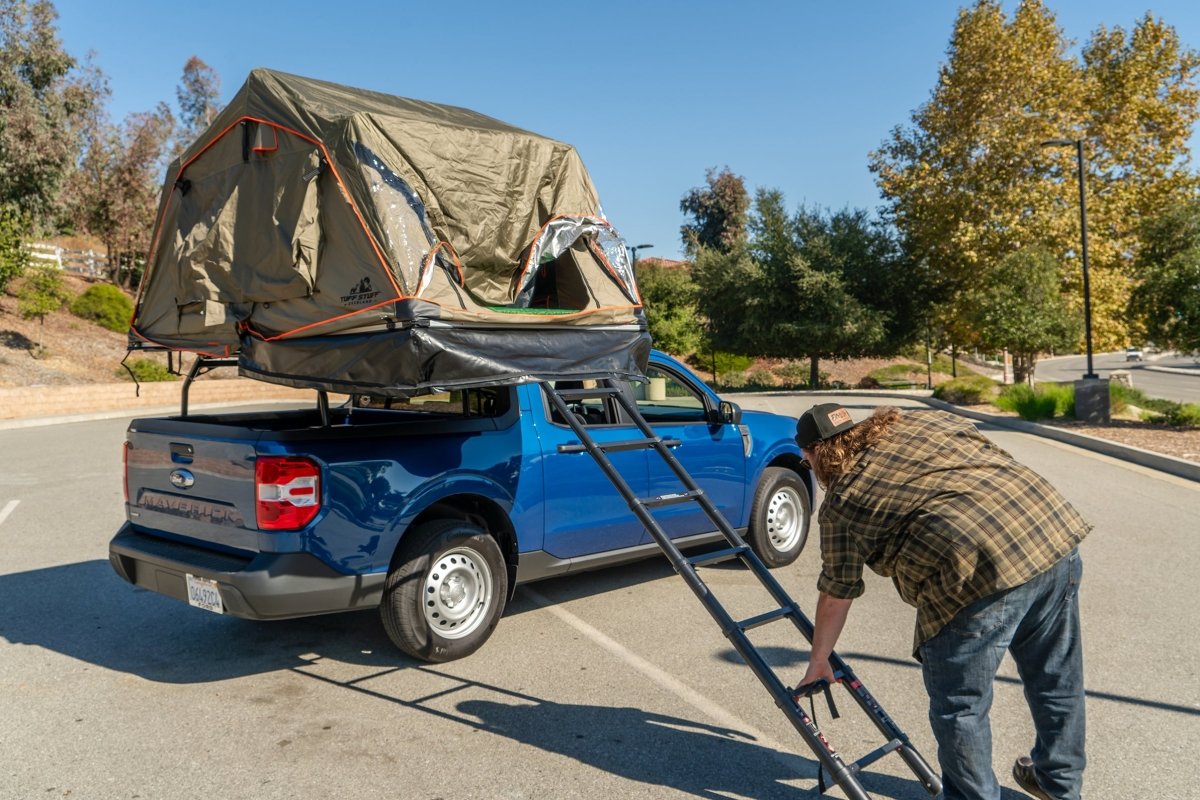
{"points": [[434, 509]]}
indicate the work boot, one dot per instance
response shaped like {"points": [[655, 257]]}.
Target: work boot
{"points": [[1026, 778]]}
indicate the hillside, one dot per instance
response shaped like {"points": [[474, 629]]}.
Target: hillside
{"points": [[73, 350]]}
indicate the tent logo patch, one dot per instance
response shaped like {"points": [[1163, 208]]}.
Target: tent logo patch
{"points": [[362, 293]]}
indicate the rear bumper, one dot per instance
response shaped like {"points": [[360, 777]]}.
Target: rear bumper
{"points": [[267, 586]]}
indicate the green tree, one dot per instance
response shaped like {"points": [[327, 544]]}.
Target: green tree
{"points": [[1166, 304], [669, 297], [13, 256], [718, 213], [45, 100], [42, 293], [1021, 307], [768, 299]]}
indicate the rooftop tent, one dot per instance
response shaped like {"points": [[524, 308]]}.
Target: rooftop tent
{"points": [[347, 240]]}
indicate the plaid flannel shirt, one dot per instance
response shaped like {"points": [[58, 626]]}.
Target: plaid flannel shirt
{"points": [[946, 514]]}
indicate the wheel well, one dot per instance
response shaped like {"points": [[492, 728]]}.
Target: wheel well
{"points": [[481, 511], [796, 464]]}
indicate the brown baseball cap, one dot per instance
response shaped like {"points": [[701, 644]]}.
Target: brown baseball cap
{"points": [[822, 421]]}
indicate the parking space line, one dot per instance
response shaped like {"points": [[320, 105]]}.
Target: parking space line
{"points": [[672, 684], [8, 509]]}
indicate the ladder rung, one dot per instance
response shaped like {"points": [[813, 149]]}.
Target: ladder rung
{"points": [[672, 499], [763, 619], [627, 444], [876, 754], [587, 394], [718, 555]]}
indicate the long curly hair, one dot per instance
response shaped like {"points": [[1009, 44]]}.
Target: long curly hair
{"points": [[833, 456]]}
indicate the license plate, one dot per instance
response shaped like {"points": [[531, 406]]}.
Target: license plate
{"points": [[202, 593]]}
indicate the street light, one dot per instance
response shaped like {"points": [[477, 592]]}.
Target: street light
{"points": [[633, 250], [1087, 289]]}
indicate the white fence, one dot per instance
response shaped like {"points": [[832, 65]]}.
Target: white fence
{"points": [[81, 262]]}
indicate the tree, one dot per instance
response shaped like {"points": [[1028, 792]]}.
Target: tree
{"points": [[1021, 307], [44, 101], [115, 192], [197, 93], [13, 257], [718, 213], [768, 299], [42, 293], [967, 183], [1166, 305], [669, 297]]}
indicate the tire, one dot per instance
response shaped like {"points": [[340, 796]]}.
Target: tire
{"points": [[445, 592], [780, 517]]}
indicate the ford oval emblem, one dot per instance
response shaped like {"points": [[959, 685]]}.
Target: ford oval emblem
{"points": [[182, 479]]}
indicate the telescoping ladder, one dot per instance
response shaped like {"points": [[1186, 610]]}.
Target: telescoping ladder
{"points": [[843, 774]]}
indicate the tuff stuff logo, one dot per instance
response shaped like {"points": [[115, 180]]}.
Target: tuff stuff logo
{"points": [[362, 294]]}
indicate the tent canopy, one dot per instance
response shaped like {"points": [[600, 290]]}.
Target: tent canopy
{"points": [[349, 240]]}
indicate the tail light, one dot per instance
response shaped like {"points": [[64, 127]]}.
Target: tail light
{"points": [[125, 470], [287, 491]]}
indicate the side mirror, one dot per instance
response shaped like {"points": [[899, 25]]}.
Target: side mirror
{"points": [[728, 413]]}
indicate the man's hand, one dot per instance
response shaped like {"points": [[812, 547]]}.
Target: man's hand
{"points": [[827, 627], [818, 668]]}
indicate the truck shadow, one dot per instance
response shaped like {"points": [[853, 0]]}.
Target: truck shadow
{"points": [[83, 610]]}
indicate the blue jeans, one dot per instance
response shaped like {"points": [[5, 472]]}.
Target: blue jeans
{"points": [[1038, 622]]}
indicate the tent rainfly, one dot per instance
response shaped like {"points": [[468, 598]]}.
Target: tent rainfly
{"points": [[352, 241]]}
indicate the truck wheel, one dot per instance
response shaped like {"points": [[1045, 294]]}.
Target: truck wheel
{"points": [[445, 592], [780, 517]]}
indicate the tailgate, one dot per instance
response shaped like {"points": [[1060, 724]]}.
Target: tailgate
{"points": [[198, 487]]}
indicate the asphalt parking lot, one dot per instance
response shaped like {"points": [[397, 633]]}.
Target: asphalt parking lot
{"points": [[611, 684]]}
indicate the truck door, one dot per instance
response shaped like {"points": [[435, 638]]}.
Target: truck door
{"points": [[584, 512], [714, 455]]}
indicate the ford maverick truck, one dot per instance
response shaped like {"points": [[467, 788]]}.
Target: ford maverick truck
{"points": [[435, 508]]}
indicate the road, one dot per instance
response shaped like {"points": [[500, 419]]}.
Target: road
{"points": [[613, 684], [1182, 386]]}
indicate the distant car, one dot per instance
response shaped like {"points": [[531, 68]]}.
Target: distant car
{"points": [[1133, 354]]}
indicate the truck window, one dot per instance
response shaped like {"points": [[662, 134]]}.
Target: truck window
{"points": [[665, 397], [487, 401], [589, 411]]}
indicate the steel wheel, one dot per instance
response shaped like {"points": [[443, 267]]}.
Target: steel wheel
{"points": [[779, 517], [458, 591], [786, 518]]}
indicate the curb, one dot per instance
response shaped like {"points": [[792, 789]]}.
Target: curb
{"points": [[1179, 467]]}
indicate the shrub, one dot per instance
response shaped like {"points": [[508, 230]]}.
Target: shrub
{"points": [[970, 390], [724, 362], [794, 372], [733, 380], [1026, 402], [899, 374], [147, 370], [106, 305], [1186, 415], [1063, 396], [761, 376]]}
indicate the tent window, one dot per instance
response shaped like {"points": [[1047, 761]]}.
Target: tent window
{"points": [[402, 216], [574, 263]]}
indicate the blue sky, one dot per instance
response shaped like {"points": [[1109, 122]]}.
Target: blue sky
{"points": [[790, 95]]}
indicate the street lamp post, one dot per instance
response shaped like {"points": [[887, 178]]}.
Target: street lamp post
{"points": [[1087, 289], [633, 251], [1091, 394]]}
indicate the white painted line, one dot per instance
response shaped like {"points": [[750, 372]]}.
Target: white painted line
{"points": [[673, 685], [8, 509]]}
